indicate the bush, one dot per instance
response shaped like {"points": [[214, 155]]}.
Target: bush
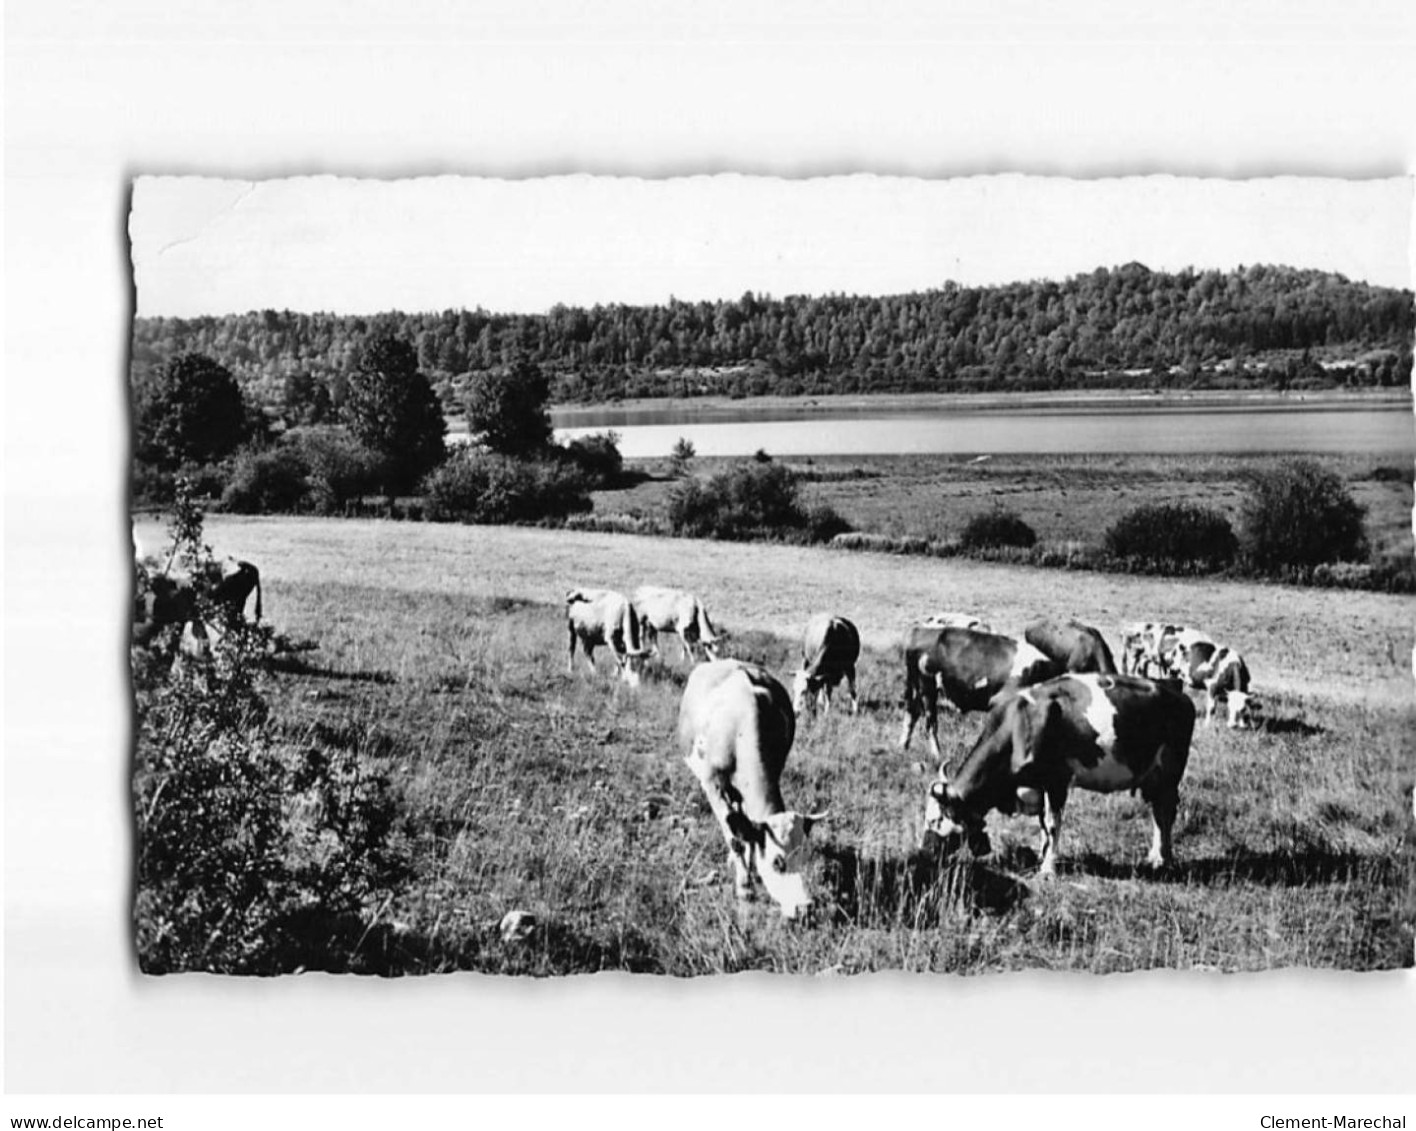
{"points": [[151, 485], [750, 501], [476, 486], [1173, 538], [1300, 515], [341, 469], [597, 457], [998, 527], [242, 841], [616, 523], [205, 481], [682, 455], [272, 481]]}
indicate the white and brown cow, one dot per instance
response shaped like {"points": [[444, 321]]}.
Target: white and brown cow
{"points": [[660, 609], [970, 668], [602, 616], [204, 606], [829, 651], [1099, 732], [1073, 646], [1148, 647], [1221, 673], [955, 620], [735, 728]]}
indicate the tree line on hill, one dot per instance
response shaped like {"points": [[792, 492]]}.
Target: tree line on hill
{"points": [[1266, 325], [197, 435]]}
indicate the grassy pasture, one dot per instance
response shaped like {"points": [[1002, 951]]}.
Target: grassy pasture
{"points": [[1062, 497], [442, 658]]}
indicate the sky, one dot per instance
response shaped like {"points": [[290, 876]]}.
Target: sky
{"points": [[204, 245]]}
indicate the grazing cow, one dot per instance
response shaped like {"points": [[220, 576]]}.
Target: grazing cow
{"points": [[735, 728], [829, 652], [1222, 674], [1099, 732], [971, 668], [1075, 647], [956, 620], [602, 616], [171, 597], [233, 589], [1148, 647], [672, 610]]}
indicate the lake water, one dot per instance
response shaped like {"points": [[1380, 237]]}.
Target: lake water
{"points": [[648, 433]]}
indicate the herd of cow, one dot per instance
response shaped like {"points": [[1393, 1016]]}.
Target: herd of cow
{"points": [[1059, 711], [1059, 714]]}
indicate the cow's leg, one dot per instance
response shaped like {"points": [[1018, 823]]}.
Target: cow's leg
{"points": [[570, 656], [851, 683], [931, 722], [687, 648], [1053, 800], [1209, 704], [588, 648], [718, 802], [912, 709], [1164, 803]]}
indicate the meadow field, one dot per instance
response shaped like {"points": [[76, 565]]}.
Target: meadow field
{"points": [[1064, 498], [439, 657]]}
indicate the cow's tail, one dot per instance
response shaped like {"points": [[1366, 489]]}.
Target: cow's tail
{"points": [[634, 636], [258, 593], [706, 632], [813, 663]]}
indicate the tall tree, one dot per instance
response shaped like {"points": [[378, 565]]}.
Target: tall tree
{"points": [[392, 409], [189, 411], [506, 409]]}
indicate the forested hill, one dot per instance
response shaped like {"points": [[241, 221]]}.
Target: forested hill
{"points": [[1272, 325]]}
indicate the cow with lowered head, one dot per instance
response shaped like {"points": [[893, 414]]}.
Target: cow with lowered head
{"points": [[602, 616], [735, 728], [970, 668], [829, 651], [1221, 673], [1098, 732], [1073, 646], [659, 609]]}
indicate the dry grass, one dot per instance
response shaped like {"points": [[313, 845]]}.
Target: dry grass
{"points": [[441, 657]]}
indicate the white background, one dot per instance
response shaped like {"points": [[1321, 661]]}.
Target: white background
{"points": [[96, 93]]}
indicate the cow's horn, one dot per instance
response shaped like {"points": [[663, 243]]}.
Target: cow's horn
{"points": [[811, 819]]}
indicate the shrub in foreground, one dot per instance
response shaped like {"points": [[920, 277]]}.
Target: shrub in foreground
{"points": [[994, 528], [249, 850], [1300, 515], [1173, 537], [475, 486]]}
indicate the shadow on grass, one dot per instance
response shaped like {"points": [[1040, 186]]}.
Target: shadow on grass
{"points": [[1269, 869], [1289, 725], [313, 940], [912, 891], [293, 665]]}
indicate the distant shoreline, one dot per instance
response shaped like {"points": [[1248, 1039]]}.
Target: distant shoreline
{"points": [[568, 415]]}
